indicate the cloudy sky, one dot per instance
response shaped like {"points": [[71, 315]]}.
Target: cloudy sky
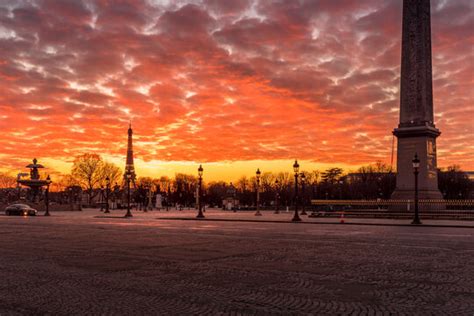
{"points": [[229, 83]]}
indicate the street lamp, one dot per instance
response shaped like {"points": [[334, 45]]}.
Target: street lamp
{"points": [[277, 197], [204, 201], [303, 196], [296, 169], [46, 197], [102, 198], [146, 197], [128, 176], [107, 190], [200, 172], [168, 198], [257, 175], [340, 189], [150, 198], [416, 166]]}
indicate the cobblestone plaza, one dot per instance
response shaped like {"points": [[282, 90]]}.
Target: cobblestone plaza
{"points": [[76, 263]]}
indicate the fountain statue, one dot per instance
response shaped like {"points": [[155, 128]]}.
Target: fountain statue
{"points": [[34, 183]]}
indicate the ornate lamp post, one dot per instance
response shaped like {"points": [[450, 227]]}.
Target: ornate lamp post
{"points": [[102, 198], [107, 190], [303, 195], [340, 188], [46, 196], [200, 172], [129, 178], [257, 176], [145, 197], [296, 169], [204, 201], [277, 197], [150, 198], [416, 166], [168, 198]]}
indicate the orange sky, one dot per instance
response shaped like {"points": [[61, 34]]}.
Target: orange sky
{"points": [[234, 85]]}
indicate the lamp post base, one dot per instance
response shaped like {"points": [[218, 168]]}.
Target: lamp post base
{"points": [[258, 213], [296, 218], [128, 214], [416, 221]]}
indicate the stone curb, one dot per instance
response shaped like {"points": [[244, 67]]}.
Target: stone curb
{"points": [[302, 222], [122, 217]]}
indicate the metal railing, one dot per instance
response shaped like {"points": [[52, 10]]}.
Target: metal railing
{"points": [[433, 209]]}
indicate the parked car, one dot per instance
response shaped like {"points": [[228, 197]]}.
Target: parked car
{"points": [[20, 210]]}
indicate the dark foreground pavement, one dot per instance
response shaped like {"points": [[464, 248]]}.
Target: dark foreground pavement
{"points": [[77, 264]]}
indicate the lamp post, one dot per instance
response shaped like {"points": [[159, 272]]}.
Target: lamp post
{"points": [[340, 189], [150, 198], [257, 176], [277, 197], [204, 201], [146, 197], [416, 166], [46, 197], [296, 169], [102, 198], [128, 177], [200, 172], [168, 198], [107, 190], [303, 195]]}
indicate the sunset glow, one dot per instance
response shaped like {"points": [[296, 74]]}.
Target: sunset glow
{"points": [[234, 85]]}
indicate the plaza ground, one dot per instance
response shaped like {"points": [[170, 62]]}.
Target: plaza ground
{"points": [[78, 263]]}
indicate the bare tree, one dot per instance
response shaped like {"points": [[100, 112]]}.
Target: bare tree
{"points": [[7, 181], [146, 182], [454, 183], [163, 183], [110, 170], [87, 171], [185, 186], [242, 184]]}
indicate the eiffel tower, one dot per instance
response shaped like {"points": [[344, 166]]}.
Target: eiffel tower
{"points": [[129, 166]]}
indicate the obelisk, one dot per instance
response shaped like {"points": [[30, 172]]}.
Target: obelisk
{"points": [[416, 132]]}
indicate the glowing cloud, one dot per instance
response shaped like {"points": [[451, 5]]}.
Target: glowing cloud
{"points": [[223, 81]]}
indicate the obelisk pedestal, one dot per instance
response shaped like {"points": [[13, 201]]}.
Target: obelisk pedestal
{"points": [[416, 132]]}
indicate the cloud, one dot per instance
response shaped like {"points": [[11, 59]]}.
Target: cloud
{"points": [[223, 80]]}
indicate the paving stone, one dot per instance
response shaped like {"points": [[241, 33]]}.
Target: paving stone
{"points": [[74, 263]]}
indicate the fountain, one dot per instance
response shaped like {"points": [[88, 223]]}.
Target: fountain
{"points": [[34, 183]]}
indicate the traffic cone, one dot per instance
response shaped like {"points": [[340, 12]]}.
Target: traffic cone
{"points": [[342, 218]]}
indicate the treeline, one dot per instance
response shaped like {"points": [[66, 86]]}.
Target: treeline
{"points": [[90, 172]]}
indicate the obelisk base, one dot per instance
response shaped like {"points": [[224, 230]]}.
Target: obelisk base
{"points": [[420, 140]]}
